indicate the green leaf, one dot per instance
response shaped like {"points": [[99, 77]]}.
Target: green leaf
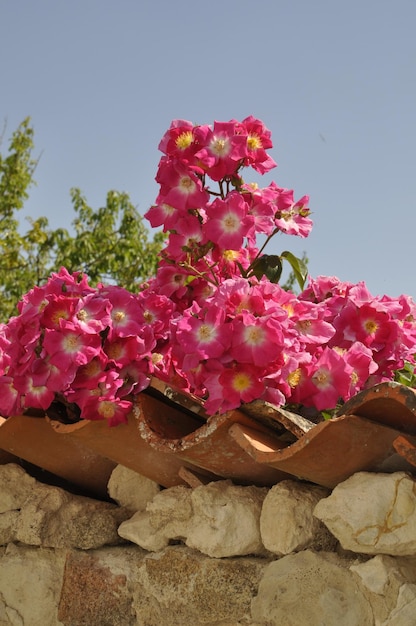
{"points": [[406, 375], [298, 266], [269, 265]]}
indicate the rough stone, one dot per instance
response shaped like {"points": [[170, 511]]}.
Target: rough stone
{"points": [[138, 529], [375, 573], [219, 519], [175, 584], [52, 517], [166, 517], [180, 586], [373, 513], [96, 589], [171, 510], [130, 489], [8, 523], [30, 586], [226, 519], [287, 523], [405, 609], [16, 487], [309, 589], [381, 578]]}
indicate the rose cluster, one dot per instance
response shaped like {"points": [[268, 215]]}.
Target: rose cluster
{"points": [[212, 234], [252, 339], [95, 348], [213, 321]]}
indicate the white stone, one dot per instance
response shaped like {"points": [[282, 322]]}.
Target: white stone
{"points": [[309, 589], [30, 586], [140, 531], [383, 577], [404, 614], [171, 510], [8, 523], [16, 486], [219, 519], [130, 489], [226, 519], [373, 513], [375, 573], [166, 517], [54, 518], [287, 523]]}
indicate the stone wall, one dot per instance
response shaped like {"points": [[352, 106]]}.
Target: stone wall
{"points": [[216, 554]]}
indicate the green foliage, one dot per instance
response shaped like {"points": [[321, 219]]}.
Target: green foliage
{"points": [[298, 266], [406, 375], [110, 244], [271, 266]]}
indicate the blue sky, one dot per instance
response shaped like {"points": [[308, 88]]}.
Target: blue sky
{"points": [[334, 81]]}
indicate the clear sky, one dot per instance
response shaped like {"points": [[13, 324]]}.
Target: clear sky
{"points": [[334, 81]]}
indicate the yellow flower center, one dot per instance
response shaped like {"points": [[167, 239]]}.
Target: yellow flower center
{"points": [[106, 409], [82, 315], [59, 315], [184, 140], [244, 305], [254, 142], [241, 382], [354, 378], [118, 316], [370, 326], [254, 335], [230, 255], [148, 317], [220, 146], [205, 332], [288, 307], [168, 209], [71, 343], [294, 378], [231, 223], [321, 378], [287, 215], [186, 184]]}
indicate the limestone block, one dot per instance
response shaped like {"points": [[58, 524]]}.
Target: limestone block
{"points": [[52, 517], [16, 486], [180, 586], [382, 578], [287, 523], [138, 529], [226, 519], [405, 609], [8, 523], [171, 510], [166, 517], [96, 589], [30, 586], [219, 519], [310, 589], [381, 571], [130, 489], [373, 513]]}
